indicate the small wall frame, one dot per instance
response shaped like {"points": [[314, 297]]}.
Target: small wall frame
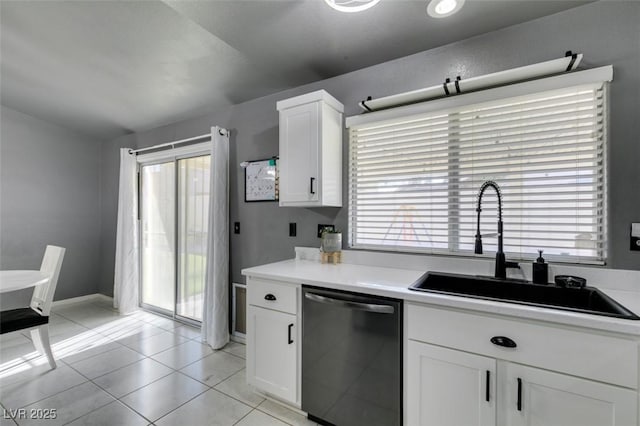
{"points": [[261, 181]]}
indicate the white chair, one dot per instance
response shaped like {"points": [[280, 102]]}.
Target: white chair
{"points": [[36, 317]]}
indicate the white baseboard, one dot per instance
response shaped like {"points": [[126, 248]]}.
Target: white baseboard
{"points": [[286, 404], [86, 298], [239, 338]]}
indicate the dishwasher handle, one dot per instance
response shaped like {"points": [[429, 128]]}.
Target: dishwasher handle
{"points": [[368, 307]]}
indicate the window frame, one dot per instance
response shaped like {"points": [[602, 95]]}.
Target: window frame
{"points": [[601, 75]]}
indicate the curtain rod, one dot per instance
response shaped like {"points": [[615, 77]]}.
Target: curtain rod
{"points": [[172, 144]]}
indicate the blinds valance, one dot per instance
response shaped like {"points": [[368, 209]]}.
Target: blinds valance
{"points": [[413, 179]]}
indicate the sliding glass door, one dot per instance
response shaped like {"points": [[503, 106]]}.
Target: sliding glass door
{"points": [[174, 201], [193, 220], [158, 227]]}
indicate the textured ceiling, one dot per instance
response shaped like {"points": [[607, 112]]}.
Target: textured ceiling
{"points": [[106, 68]]}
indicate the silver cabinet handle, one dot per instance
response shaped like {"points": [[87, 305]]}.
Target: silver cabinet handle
{"points": [[379, 309]]}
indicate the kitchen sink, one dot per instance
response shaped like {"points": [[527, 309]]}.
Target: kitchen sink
{"points": [[586, 299]]}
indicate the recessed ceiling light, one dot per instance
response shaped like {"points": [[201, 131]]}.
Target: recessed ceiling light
{"points": [[351, 5], [444, 8]]}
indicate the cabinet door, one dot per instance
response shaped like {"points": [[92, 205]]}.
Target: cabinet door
{"points": [[271, 352], [534, 397], [446, 387], [299, 154]]}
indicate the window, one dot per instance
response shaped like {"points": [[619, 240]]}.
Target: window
{"points": [[414, 178]]}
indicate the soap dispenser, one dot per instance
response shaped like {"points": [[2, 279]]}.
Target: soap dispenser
{"points": [[540, 270]]}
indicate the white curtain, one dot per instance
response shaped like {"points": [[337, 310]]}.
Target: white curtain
{"points": [[215, 316], [125, 288]]}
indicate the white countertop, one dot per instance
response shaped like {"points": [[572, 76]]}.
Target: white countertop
{"points": [[394, 282]]}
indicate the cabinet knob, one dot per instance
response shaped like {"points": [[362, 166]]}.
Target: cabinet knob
{"points": [[270, 297], [311, 180], [503, 341]]}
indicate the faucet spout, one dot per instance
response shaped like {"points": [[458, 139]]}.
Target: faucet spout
{"points": [[501, 263]]}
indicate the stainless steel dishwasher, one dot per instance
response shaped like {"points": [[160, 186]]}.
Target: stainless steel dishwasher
{"points": [[351, 358]]}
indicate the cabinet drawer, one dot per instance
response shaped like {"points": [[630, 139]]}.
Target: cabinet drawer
{"points": [[272, 295], [599, 357]]}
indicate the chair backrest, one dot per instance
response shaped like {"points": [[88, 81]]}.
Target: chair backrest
{"points": [[43, 294]]}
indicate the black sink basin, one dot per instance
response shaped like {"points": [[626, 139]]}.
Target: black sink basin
{"points": [[586, 300]]}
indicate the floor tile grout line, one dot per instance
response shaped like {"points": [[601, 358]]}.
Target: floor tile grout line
{"points": [[149, 355], [215, 351], [179, 368], [231, 353], [240, 419], [149, 337], [68, 319], [59, 392], [140, 320], [191, 399], [115, 398], [233, 397], [62, 359], [89, 412], [66, 362], [119, 399], [92, 356], [72, 320], [124, 346], [144, 356], [102, 375], [4, 410], [212, 387], [135, 411], [141, 387], [101, 333]]}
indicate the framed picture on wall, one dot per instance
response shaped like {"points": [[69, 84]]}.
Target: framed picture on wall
{"points": [[261, 180]]}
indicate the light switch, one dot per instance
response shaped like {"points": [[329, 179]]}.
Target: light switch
{"points": [[635, 236]]}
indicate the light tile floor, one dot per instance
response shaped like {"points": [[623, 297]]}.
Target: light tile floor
{"points": [[141, 369]]}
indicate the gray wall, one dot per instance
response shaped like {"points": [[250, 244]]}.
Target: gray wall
{"points": [[49, 194], [606, 32]]}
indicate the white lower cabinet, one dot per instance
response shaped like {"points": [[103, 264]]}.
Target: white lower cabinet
{"points": [[535, 397], [471, 369], [273, 336], [272, 358], [449, 388]]}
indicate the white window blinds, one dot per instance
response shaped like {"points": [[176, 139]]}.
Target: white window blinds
{"points": [[414, 180]]}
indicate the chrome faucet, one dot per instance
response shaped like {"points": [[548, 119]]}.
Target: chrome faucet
{"points": [[501, 263]]}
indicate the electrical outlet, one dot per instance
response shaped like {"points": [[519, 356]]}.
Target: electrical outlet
{"points": [[635, 236], [236, 227], [292, 229], [323, 227]]}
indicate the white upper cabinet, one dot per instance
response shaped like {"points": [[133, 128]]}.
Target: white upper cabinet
{"points": [[311, 151]]}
